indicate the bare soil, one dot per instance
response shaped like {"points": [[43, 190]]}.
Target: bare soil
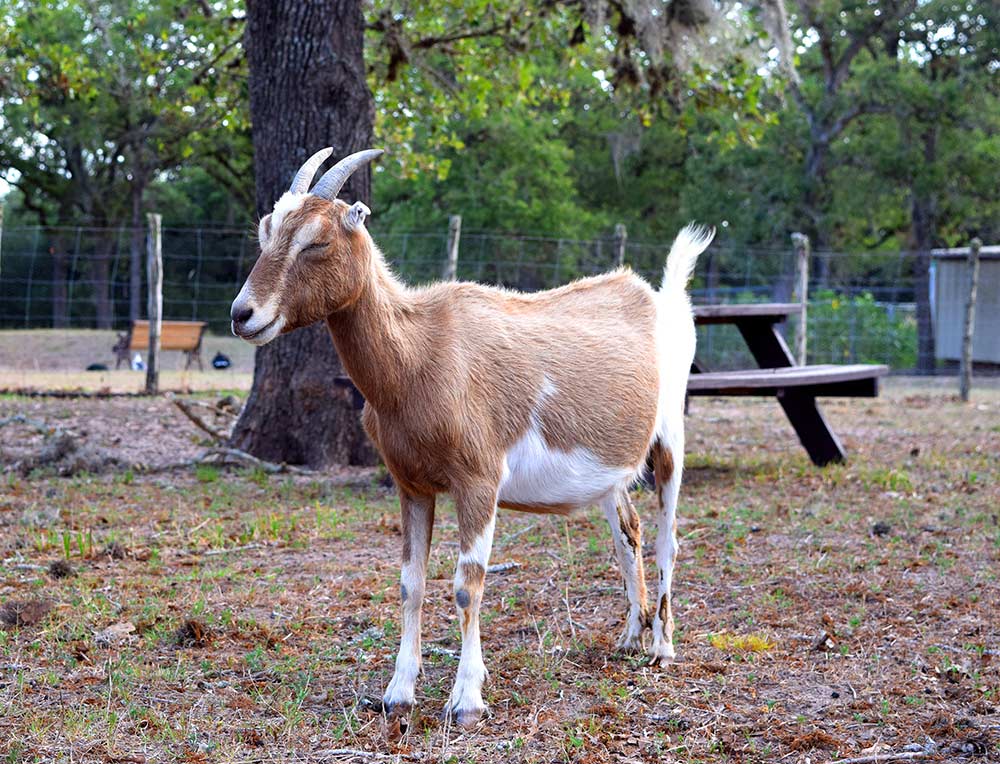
{"points": [[232, 616]]}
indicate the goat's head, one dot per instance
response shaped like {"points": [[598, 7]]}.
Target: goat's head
{"points": [[314, 254]]}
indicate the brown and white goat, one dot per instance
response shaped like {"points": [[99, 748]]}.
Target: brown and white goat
{"points": [[543, 402]]}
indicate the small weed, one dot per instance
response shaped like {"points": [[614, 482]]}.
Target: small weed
{"points": [[206, 473], [742, 643]]}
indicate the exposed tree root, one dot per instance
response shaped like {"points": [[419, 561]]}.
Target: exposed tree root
{"points": [[188, 411]]}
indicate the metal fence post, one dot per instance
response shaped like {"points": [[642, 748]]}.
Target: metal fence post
{"points": [[154, 277], [802, 246], [965, 370], [454, 234]]}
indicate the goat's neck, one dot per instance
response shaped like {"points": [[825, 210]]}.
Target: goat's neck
{"points": [[374, 337]]}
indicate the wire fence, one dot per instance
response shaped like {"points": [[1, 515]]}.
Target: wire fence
{"points": [[861, 306]]}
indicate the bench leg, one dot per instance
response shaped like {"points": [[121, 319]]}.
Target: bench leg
{"points": [[819, 441]]}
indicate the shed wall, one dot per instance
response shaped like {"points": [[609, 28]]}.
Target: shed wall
{"points": [[952, 288]]}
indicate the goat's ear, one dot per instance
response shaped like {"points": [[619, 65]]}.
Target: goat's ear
{"points": [[355, 215], [264, 229]]}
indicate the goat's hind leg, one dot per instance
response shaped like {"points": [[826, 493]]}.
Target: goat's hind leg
{"points": [[626, 530], [418, 521], [667, 465]]}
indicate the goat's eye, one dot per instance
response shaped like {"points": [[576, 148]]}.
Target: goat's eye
{"points": [[315, 248]]}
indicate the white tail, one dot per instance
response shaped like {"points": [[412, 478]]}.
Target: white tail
{"points": [[690, 242]]}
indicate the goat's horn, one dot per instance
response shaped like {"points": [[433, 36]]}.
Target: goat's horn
{"points": [[302, 179], [334, 179]]}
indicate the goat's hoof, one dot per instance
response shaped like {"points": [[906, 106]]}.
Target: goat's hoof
{"points": [[466, 718], [630, 640], [396, 709], [630, 644], [662, 655]]}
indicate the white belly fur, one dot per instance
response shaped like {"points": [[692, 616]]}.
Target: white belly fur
{"points": [[534, 474]]}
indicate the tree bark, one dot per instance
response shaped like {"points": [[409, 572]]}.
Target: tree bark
{"points": [[100, 270], [923, 221], [922, 227], [136, 247], [307, 91], [60, 275]]}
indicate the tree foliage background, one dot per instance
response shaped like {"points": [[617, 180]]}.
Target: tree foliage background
{"points": [[535, 117]]}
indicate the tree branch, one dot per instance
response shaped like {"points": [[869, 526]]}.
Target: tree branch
{"points": [[860, 39]]}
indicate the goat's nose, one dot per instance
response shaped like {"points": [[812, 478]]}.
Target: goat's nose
{"points": [[241, 315]]}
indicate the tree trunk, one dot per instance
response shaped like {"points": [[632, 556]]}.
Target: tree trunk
{"points": [[100, 269], [814, 203], [307, 91], [136, 241], [922, 226], [923, 223], [60, 276]]}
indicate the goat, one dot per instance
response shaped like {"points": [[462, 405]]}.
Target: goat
{"points": [[544, 402]]}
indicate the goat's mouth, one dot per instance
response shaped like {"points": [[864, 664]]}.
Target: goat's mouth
{"points": [[264, 334]]}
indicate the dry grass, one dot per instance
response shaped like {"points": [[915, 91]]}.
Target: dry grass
{"points": [[123, 381], [56, 359], [236, 617]]}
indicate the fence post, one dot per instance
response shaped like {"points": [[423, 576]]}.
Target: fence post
{"points": [[621, 236], [802, 249], [1, 239], [454, 234], [965, 370], [154, 278]]}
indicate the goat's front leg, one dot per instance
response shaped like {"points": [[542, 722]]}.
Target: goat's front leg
{"points": [[418, 521], [476, 518]]}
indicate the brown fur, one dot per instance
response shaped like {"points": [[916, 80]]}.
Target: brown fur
{"points": [[473, 575], [663, 463], [409, 508], [539, 509], [452, 372]]}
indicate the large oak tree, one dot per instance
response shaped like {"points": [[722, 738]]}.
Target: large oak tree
{"points": [[307, 91]]}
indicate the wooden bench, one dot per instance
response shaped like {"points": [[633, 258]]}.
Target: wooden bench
{"points": [[795, 387], [185, 336]]}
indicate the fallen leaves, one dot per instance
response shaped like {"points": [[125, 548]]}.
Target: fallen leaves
{"points": [[115, 634], [17, 614]]}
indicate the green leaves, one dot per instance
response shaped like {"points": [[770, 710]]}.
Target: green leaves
{"points": [[96, 96]]}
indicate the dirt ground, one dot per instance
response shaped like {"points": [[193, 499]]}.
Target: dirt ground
{"points": [[214, 615]]}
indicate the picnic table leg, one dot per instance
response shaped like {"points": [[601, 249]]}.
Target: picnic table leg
{"points": [[815, 434], [767, 346], [770, 351]]}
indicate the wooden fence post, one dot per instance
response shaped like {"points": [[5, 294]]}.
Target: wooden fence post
{"points": [[454, 234], [802, 250], [621, 236], [154, 277], [965, 365]]}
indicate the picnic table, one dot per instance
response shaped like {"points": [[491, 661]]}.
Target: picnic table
{"points": [[795, 387]]}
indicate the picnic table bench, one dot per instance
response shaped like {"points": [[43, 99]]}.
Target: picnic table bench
{"points": [[174, 335], [795, 387]]}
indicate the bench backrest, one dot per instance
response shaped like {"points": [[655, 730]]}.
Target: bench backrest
{"points": [[174, 335]]}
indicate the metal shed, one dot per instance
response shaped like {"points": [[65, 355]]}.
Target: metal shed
{"points": [[950, 290]]}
